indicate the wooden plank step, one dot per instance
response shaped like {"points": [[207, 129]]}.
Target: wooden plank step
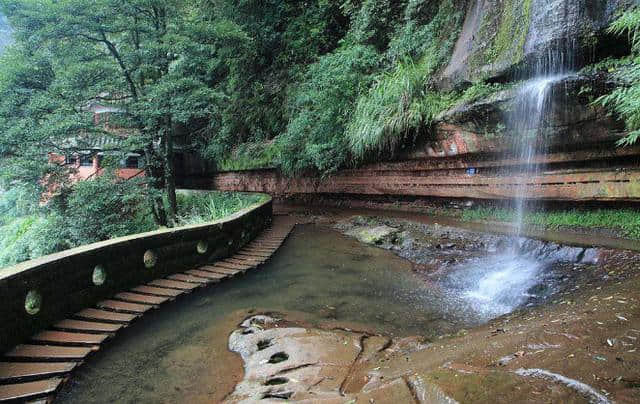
{"points": [[271, 247], [218, 269], [244, 257], [166, 283], [241, 266], [248, 257], [106, 316], [139, 298], [268, 240], [204, 274], [24, 371], [124, 307], [263, 250], [69, 338], [188, 278], [29, 391], [263, 240], [213, 271], [230, 265], [48, 353], [164, 292], [250, 264], [247, 261], [254, 253], [87, 326], [225, 270]]}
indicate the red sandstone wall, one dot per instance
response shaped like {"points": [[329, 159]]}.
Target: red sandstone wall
{"points": [[580, 176]]}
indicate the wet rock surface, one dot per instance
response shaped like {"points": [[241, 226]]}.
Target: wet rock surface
{"points": [[573, 121], [582, 350], [497, 38], [448, 257], [284, 361]]}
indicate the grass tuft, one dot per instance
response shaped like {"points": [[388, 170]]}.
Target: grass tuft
{"points": [[624, 221]]}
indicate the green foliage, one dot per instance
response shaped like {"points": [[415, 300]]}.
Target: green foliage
{"points": [[249, 156], [625, 99], [400, 105], [425, 23], [315, 136], [628, 24], [216, 75], [96, 210], [624, 221], [481, 90], [157, 62], [316, 90], [284, 37], [397, 108], [104, 208], [201, 207]]}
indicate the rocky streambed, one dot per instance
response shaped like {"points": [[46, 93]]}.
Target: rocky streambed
{"points": [[333, 319], [573, 338], [525, 271]]}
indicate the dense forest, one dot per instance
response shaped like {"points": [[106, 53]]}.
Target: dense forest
{"points": [[308, 86]]}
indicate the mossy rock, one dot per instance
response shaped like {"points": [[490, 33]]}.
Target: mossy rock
{"points": [[375, 235]]}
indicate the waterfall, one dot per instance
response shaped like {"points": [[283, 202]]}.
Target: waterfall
{"points": [[533, 105], [498, 284]]}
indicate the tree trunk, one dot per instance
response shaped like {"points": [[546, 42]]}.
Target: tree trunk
{"points": [[154, 174], [169, 173]]}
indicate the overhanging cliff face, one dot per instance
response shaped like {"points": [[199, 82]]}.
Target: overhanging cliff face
{"points": [[467, 154], [502, 37], [574, 122], [467, 157]]}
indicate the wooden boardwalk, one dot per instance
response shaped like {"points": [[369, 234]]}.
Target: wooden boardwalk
{"points": [[35, 370]]}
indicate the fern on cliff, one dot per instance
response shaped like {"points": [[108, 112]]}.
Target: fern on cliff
{"points": [[625, 100], [401, 104], [394, 111]]}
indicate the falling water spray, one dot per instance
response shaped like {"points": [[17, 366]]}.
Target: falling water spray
{"points": [[496, 285]]}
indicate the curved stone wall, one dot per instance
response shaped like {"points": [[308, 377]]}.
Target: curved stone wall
{"points": [[37, 293]]}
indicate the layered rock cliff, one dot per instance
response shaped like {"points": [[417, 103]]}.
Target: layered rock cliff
{"points": [[507, 43], [500, 38]]}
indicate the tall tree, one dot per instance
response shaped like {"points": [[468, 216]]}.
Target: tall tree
{"points": [[155, 60]]}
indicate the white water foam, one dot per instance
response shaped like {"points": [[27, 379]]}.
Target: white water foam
{"points": [[496, 285]]}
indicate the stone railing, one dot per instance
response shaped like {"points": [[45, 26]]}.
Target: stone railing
{"points": [[37, 293]]}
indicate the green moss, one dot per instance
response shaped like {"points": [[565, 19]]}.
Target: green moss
{"points": [[513, 30], [402, 103], [506, 32], [249, 156]]}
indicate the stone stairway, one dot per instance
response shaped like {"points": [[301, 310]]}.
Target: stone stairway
{"points": [[35, 371]]}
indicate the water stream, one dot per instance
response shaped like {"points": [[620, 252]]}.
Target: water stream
{"points": [[321, 275]]}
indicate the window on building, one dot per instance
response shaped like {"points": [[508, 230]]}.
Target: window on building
{"points": [[71, 160], [86, 160], [132, 162]]}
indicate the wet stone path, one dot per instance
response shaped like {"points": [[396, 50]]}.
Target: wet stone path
{"points": [[37, 369]]}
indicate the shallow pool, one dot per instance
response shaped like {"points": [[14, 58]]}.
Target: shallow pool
{"points": [[168, 353]]}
